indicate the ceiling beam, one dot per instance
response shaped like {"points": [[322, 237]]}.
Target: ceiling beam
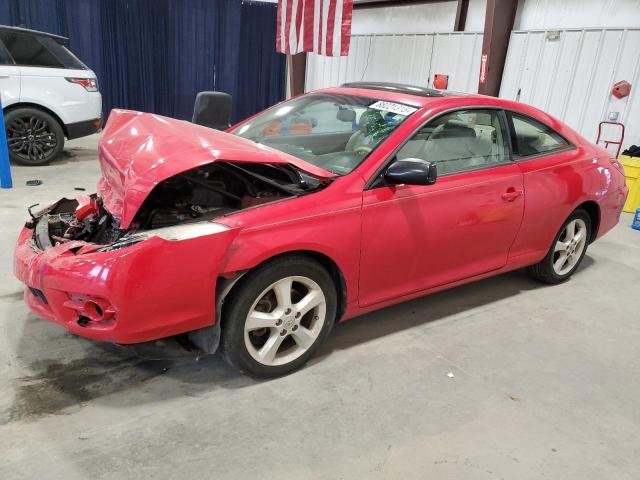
{"points": [[461, 15], [297, 73]]}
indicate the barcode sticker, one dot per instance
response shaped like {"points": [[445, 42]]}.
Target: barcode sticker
{"points": [[393, 107]]}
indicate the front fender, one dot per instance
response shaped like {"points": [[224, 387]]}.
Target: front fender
{"points": [[335, 236]]}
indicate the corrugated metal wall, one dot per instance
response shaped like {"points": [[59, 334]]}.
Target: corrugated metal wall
{"points": [[404, 58], [539, 14], [458, 55], [569, 74]]}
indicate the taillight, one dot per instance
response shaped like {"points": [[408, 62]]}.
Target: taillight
{"points": [[89, 84], [617, 165]]}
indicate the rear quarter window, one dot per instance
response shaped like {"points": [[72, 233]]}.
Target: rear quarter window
{"points": [[63, 54], [531, 137], [37, 51]]}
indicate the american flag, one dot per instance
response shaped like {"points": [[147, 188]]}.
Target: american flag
{"points": [[321, 26]]}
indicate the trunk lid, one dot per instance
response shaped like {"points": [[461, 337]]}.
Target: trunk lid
{"points": [[139, 150]]}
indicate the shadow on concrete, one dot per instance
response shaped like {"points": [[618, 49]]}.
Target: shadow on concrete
{"points": [[430, 308], [104, 371], [68, 155], [11, 296], [74, 155]]}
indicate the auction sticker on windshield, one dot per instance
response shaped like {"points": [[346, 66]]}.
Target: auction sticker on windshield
{"points": [[393, 107]]}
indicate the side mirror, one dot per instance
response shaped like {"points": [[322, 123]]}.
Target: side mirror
{"points": [[213, 110], [411, 171]]}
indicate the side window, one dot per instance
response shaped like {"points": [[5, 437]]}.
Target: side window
{"points": [[5, 58], [531, 137], [27, 50], [460, 141]]}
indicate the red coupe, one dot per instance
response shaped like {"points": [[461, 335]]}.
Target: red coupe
{"points": [[319, 209]]}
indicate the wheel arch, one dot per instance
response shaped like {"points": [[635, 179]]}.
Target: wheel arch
{"points": [[227, 283], [37, 106], [593, 210]]}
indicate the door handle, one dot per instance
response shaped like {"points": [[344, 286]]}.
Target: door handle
{"points": [[511, 194], [4, 76]]}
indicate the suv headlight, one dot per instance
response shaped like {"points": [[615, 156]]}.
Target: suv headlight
{"points": [[174, 233]]}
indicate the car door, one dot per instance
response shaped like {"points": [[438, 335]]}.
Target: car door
{"points": [[418, 237], [9, 78], [557, 176]]}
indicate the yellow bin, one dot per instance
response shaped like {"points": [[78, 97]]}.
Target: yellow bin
{"points": [[632, 176]]}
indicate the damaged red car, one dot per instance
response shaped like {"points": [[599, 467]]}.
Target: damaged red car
{"points": [[259, 239]]}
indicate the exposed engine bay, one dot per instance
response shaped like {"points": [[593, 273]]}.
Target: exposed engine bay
{"points": [[202, 193]]}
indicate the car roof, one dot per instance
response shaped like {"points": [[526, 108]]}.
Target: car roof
{"points": [[395, 92], [57, 38], [401, 88]]}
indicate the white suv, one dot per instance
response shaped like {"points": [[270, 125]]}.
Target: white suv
{"points": [[47, 95]]}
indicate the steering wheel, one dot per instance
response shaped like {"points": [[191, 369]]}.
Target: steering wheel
{"points": [[362, 150]]}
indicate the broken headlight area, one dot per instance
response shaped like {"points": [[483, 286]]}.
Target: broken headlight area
{"points": [[81, 219], [174, 233]]}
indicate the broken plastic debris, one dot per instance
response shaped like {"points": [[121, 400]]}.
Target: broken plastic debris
{"points": [[450, 375]]}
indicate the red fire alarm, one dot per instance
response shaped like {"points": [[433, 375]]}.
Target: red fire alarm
{"points": [[440, 81], [621, 89]]}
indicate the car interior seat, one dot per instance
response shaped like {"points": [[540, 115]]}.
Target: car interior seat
{"points": [[370, 123], [529, 143], [454, 146]]}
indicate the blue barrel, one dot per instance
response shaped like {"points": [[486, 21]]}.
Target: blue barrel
{"points": [[636, 220]]}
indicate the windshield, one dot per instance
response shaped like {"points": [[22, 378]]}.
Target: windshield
{"points": [[331, 131]]}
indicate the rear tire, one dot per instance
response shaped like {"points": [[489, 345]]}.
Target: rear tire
{"points": [[33, 136], [567, 250], [277, 317]]}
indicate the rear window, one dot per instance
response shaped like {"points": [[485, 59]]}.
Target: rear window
{"points": [[36, 51], [533, 137]]}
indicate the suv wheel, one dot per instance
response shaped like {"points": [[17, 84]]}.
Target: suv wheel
{"points": [[34, 137], [278, 316]]}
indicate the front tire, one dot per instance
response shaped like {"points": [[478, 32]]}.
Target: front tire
{"points": [[567, 250], [278, 316], [33, 136]]}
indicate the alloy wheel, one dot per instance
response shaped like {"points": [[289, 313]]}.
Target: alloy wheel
{"points": [[285, 320], [569, 246], [31, 138]]}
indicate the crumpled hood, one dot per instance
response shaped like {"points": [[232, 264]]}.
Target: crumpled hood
{"points": [[139, 150]]}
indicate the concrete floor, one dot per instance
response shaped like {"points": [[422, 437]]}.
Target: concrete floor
{"points": [[545, 383]]}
